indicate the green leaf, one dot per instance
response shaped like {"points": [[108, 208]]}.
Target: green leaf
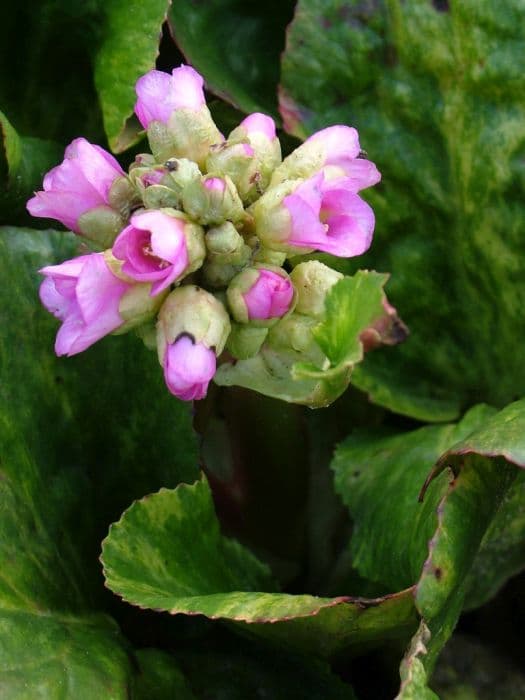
{"points": [[412, 671], [149, 562], [56, 656], [237, 674], [23, 162], [66, 471], [352, 305], [160, 677], [48, 90], [235, 46], [128, 49], [399, 541], [438, 100]]}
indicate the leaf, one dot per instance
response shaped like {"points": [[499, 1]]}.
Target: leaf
{"points": [[160, 677], [57, 656], [48, 90], [23, 162], [398, 541], [129, 47], [148, 562], [437, 98], [66, 471], [413, 674], [351, 307], [235, 46], [254, 670]]}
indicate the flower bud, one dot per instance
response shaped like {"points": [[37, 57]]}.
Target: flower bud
{"points": [[293, 334], [173, 110], [192, 330], [335, 148], [312, 281], [160, 247], [300, 216], [260, 295], [191, 310], [77, 193], [218, 275], [225, 245], [212, 200], [245, 341], [92, 301], [259, 130]]}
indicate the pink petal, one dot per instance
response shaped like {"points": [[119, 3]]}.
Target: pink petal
{"points": [[305, 228], [187, 88], [98, 167], [360, 173], [66, 207], [54, 300], [188, 368], [155, 101], [269, 297], [259, 123], [348, 236], [98, 294], [340, 145]]}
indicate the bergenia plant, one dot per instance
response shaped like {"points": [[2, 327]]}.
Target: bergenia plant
{"points": [[202, 239]]}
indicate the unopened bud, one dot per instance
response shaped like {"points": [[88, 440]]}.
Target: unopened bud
{"points": [[225, 245], [245, 341], [312, 281], [101, 225], [192, 311], [212, 200], [260, 295]]}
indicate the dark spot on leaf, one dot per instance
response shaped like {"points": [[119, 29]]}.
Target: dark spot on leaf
{"points": [[59, 379], [438, 573], [441, 5], [357, 473]]}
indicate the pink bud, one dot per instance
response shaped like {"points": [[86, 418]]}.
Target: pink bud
{"points": [[258, 123], [85, 295], [269, 297], [327, 215], [188, 368], [82, 182], [216, 184], [153, 248], [160, 94]]}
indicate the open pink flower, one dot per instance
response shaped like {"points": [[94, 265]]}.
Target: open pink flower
{"points": [[269, 297], [188, 368], [153, 248], [160, 94], [328, 215], [85, 295], [82, 182]]}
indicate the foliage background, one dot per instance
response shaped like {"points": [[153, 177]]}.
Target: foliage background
{"points": [[337, 579]]}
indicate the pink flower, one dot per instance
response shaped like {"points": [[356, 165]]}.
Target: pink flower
{"points": [[258, 123], [153, 248], [85, 295], [335, 148], [269, 297], [82, 182], [160, 94], [328, 215], [188, 368]]}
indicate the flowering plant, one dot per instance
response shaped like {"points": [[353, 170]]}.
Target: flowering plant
{"points": [[175, 522], [208, 226]]}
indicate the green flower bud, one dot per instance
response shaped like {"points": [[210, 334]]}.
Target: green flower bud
{"points": [[237, 161], [123, 196], [225, 245], [245, 341], [137, 306], [101, 225], [218, 274], [312, 281], [159, 197], [212, 200], [293, 334], [192, 311], [188, 134]]}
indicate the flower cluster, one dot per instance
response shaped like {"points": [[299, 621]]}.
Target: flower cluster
{"points": [[191, 243]]}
